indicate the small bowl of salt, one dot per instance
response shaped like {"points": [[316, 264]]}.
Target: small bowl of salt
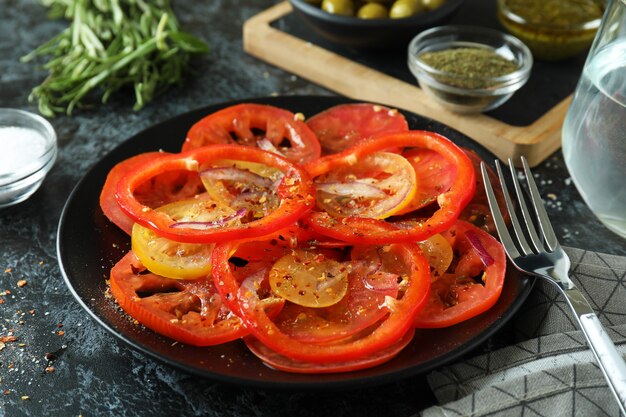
{"points": [[28, 149]]}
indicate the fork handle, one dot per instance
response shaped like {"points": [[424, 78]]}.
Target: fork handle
{"points": [[608, 357]]}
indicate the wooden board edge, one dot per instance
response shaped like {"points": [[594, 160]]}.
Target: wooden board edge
{"points": [[536, 142]]}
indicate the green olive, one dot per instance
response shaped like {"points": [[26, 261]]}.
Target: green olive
{"points": [[340, 7], [405, 8], [372, 11], [432, 4]]}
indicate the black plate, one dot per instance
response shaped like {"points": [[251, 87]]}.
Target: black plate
{"points": [[88, 245]]}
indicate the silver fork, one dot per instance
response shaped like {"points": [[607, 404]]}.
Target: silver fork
{"points": [[545, 258]]}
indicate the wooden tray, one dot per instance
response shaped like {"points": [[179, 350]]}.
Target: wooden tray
{"points": [[265, 36]]}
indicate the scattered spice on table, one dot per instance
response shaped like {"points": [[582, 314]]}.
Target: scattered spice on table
{"points": [[473, 65], [8, 339]]}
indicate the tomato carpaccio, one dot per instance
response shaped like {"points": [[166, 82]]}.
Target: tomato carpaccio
{"points": [[321, 244]]}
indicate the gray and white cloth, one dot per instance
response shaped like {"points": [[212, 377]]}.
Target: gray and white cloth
{"points": [[548, 370]]}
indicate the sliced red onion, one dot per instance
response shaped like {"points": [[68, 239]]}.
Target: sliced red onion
{"points": [[211, 224], [381, 281], [252, 200], [354, 189], [473, 239], [246, 197], [236, 174], [266, 145], [374, 279], [370, 266]]}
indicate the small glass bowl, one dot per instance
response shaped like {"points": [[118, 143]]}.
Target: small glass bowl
{"points": [[547, 37], [29, 150], [486, 93]]}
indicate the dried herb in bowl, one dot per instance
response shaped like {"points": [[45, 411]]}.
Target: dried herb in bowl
{"points": [[111, 44], [469, 67]]}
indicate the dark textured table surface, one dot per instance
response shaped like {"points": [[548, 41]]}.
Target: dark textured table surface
{"points": [[94, 373]]}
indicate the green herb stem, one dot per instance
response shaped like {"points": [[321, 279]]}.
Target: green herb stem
{"points": [[109, 45]]}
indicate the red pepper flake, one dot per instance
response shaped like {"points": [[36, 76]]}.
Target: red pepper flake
{"points": [[1, 301], [6, 391], [60, 325], [8, 271], [49, 369], [61, 332], [8, 339], [21, 283]]}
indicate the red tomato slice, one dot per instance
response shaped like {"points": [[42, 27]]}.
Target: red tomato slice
{"points": [[414, 291], [190, 312], [283, 363], [257, 125], [459, 295], [477, 211], [163, 189], [108, 202], [361, 230], [295, 191], [434, 175], [341, 127]]}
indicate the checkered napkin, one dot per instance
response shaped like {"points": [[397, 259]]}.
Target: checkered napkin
{"points": [[548, 369]]}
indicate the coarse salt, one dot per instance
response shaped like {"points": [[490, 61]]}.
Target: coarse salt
{"points": [[19, 147]]}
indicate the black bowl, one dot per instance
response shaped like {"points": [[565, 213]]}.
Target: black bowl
{"points": [[371, 33]]}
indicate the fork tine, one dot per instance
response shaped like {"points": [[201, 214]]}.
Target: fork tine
{"points": [[526, 249], [532, 232], [544, 221], [505, 236]]}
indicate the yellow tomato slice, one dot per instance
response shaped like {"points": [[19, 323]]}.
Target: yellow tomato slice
{"points": [[439, 253], [255, 167], [243, 185], [309, 279], [178, 260], [377, 186]]}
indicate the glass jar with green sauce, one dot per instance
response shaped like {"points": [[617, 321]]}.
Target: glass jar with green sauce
{"points": [[552, 29]]}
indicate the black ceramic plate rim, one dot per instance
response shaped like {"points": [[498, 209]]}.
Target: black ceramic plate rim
{"points": [[374, 376]]}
